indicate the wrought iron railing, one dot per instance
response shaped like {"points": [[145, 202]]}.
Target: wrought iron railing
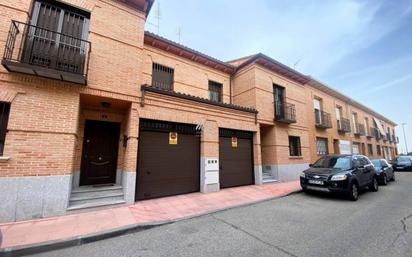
{"points": [[376, 134], [285, 112], [344, 125], [37, 46], [322, 119], [359, 129]]}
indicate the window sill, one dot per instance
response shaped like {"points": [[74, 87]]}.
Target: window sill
{"points": [[4, 159], [295, 157]]}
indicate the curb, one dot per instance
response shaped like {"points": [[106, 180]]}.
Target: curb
{"points": [[90, 238]]}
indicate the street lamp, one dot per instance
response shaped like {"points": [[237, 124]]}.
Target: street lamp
{"points": [[404, 137]]}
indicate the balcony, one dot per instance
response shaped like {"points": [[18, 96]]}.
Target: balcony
{"points": [[369, 133], [322, 119], [285, 112], [41, 52], [375, 133], [343, 125], [360, 129]]}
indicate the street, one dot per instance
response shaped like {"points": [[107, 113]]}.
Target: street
{"points": [[378, 224]]}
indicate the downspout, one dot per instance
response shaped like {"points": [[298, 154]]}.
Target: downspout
{"points": [[230, 88]]}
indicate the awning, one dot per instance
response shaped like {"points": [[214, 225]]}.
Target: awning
{"points": [[379, 125]]}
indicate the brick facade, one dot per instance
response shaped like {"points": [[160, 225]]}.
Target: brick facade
{"points": [[47, 117]]}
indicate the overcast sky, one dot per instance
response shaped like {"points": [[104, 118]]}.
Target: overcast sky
{"points": [[361, 48]]}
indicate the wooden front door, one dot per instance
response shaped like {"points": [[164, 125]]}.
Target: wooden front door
{"points": [[99, 157]]}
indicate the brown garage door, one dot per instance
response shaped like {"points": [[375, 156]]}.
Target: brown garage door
{"points": [[236, 158], [165, 168]]}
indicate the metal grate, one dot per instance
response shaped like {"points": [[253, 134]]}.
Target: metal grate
{"points": [[4, 117], [294, 146], [163, 126], [321, 146], [162, 77], [215, 91], [235, 133]]}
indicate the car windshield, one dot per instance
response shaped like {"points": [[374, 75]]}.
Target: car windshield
{"points": [[376, 163], [335, 162], [403, 159]]}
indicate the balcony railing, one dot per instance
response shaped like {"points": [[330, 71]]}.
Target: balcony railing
{"points": [[285, 112], [369, 133], [360, 129], [38, 51], [376, 134], [322, 119], [343, 125]]}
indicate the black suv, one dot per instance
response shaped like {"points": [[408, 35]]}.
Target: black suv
{"points": [[402, 163], [340, 174]]}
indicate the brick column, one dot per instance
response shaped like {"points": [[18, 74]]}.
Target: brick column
{"points": [[209, 157], [130, 158], [257, 157]]}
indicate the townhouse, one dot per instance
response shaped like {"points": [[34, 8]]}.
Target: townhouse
{"points": [[96, 111]]}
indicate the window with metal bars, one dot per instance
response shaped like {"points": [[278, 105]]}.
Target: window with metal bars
{"points": [[294, 146], [321, 146], [4, 118], [162, 76], [56, 36], [215, 91], [370, 149]]}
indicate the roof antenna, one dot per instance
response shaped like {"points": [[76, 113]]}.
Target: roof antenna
{"points": [[296, 63], [179, 34], [157, 16]]}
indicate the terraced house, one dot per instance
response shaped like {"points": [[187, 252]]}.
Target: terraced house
{"points": [[95, 111]]}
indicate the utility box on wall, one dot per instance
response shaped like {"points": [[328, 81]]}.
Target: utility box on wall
{"points": [[211, 171]]}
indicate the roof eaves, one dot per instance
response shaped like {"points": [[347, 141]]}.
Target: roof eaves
{"points": [[291, 73], [185, 48], [329, 90]]}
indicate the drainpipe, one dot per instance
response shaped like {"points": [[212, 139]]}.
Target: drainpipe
{"points": [[230, 89]]}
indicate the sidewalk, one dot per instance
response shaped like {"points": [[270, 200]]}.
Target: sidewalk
{"points": [[18, 235]]}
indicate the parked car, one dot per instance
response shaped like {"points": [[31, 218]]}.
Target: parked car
{"points": [[402, 163], [384, 171], [344, 174]]}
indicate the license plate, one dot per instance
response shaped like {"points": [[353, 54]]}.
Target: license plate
{"points": [[315, 182]]}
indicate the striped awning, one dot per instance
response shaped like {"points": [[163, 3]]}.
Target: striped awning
{"points": [[379, 126]]}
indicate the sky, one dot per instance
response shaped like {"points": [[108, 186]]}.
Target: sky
{"points": [[362, 48]]}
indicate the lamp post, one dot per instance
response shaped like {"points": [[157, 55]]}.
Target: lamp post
{"points": [[404, 137]]}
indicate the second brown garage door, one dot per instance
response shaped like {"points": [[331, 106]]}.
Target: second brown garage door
{"points": [[167, 166], [235, 158]]}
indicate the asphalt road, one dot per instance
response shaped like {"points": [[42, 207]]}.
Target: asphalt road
{"points": [[378, 224]]}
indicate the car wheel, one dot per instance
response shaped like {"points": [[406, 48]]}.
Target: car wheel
{"points": [[385, 180], [354, 192], [374, 187]]}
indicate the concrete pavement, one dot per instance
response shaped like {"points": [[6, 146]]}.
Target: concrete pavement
{"points": [[76, 229], [378, 224]]}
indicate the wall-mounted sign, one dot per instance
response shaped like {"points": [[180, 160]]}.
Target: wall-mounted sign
{"points": [[234, 142], [172, 138]]}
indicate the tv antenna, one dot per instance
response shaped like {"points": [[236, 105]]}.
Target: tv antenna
{"points": [[296, 63], [179, 34], [157, 16]]}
